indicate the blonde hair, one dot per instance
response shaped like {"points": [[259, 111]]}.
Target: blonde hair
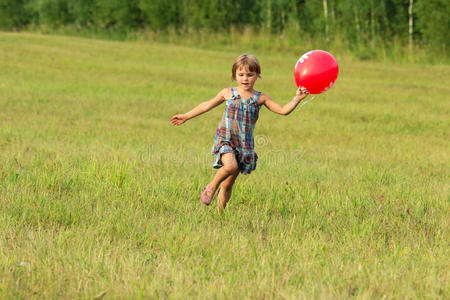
{"points": [[246, 60]]}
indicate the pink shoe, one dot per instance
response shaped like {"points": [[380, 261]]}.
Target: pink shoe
{"points": [[207, 195]]}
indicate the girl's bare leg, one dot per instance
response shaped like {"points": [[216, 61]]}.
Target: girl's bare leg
{"points": [[230, 167], [225, 191]]}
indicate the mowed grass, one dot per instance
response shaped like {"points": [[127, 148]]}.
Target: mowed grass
{"points": [[99, 193]]}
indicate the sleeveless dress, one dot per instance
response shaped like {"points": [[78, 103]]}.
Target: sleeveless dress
{"points": [[235, 132]]}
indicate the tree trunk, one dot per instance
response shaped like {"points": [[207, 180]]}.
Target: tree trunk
{"points": [[333, 16], [410, 13], [296, 18], [372, 23], [325, 14], [355, 9]]}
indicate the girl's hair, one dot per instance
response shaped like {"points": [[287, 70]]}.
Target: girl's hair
{"points": [[246, 60]]}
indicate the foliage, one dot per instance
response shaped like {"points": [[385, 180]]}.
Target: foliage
{"points": [[14, 14], [434, 24], [361, 24]]}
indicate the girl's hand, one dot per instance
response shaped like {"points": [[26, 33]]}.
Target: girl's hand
{"points": [[301, 94], [178, 119]]}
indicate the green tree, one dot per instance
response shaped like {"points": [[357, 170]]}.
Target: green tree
{"points": [[117, 14], [161, 14], [433, 23], [14, 14]]}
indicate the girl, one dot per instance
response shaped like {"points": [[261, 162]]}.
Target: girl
{"points": [[234, 146]]}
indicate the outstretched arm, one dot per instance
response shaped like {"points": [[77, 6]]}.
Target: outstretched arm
{"points": [[199, 109], [287, 108]]}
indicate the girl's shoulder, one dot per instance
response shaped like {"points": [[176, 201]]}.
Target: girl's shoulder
{"points": [[262, 98], [227, 92]]}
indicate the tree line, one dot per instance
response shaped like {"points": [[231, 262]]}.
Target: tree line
{"points": [[423, 23]]}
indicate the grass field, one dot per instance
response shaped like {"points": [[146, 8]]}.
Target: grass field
{"points": [[99, 193]]}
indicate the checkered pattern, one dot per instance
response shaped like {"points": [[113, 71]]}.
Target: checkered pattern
{"points": [[235, 132]]}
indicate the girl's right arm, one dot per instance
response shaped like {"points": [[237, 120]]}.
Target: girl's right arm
{"points": [[200, 109]]}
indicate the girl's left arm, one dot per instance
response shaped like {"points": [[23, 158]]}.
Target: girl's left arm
{"points": [[287, 108]]}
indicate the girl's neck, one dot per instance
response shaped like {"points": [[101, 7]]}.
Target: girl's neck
{"points": [[243, 93]]}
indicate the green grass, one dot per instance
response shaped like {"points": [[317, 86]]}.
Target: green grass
{"points": [[99, 193]]}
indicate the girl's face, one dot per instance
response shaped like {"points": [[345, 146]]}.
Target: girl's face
{"points": [[245, 78]]}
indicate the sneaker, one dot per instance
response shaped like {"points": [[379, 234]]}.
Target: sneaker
{"points": [[207, 195]]}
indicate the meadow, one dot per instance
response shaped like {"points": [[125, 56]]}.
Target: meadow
{"points": [[99, 192]]}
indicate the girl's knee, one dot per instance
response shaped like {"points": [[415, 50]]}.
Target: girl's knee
{"points": [[230, 168], [229, 163]]}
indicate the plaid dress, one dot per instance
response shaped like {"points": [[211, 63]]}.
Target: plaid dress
{"points": [[235, 132]]}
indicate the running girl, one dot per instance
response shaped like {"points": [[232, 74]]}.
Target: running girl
{"points": [[233, 144]]}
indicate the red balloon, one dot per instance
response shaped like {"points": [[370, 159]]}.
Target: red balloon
{"points": [[316, 70]]}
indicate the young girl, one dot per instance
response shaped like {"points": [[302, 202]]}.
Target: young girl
{"points": [[234, 146]]}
